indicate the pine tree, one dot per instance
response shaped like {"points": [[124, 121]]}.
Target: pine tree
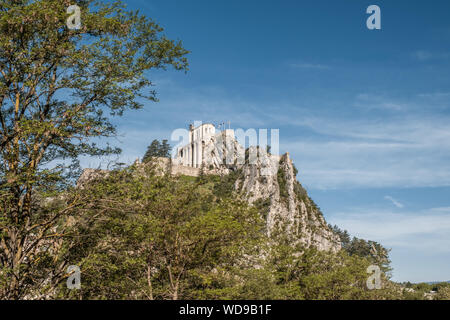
{"points": [[165, 149], [152, 151], [157, 149]]}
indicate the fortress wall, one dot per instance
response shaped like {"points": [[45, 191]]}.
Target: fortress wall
{"points": [[185, 171]]}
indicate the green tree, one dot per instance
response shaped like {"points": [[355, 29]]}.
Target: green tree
{"points": [[156, 236], [443, 293], [157, 150], [165, 149], [372, 250], [152, 151], [57, 88], [343, 235]]}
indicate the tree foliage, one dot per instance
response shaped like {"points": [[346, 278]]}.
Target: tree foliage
{"points": [[157, 150], [372, 250], [157, 237], [58, 90]]}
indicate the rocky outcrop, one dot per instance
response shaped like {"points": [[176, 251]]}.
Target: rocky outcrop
{"points": [[269, 182], [266, 181], [272, 186]]}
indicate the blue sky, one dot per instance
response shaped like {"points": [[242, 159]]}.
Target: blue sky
{"points": [[364, 114]]}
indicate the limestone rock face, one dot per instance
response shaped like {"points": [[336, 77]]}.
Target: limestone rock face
{"points": [[269, 182], [272, 182]]}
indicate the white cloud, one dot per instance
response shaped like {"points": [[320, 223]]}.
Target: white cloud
{"points": [[394, 202], [425, 231], [411, 151], [435, 95]]}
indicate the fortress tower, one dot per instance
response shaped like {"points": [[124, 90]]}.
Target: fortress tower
{"points": [[194, 153]]}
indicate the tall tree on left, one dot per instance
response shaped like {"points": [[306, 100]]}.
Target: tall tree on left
{"points": [[59, 87]]}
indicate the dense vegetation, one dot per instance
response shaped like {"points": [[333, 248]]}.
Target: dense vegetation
{"points": [[138, 234], [156, 237]]}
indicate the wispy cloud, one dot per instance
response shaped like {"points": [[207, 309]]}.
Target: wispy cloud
{"points": [[346, 153], [331, 151], [420, 240], [425, 230], [435, 95], [310, 66], [371, 101], [394, 202], [424, 55]]}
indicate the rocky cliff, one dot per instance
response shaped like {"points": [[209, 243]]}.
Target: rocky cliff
{"points": [[284, 202], [270, 183]]}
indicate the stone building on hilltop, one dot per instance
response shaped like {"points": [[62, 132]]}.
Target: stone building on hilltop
{"points": [[205, 145]]}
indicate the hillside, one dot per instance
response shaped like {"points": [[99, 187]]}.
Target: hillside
{"points": [[247, 231]]}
